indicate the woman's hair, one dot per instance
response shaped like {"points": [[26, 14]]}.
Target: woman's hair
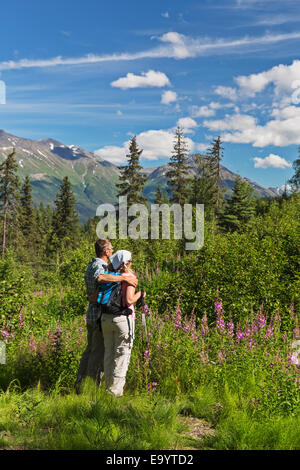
{"points": [[123, 268]]}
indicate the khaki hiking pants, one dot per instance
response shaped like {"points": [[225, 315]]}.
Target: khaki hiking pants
{"points": [[92, 360], [118, 333]]}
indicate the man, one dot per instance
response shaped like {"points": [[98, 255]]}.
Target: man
{"points": [[92, 360]]}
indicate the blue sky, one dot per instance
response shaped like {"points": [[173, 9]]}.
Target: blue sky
{"points": [[94, 73]]}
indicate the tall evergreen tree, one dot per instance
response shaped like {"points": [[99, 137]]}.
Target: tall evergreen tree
{"points": [[9, 196], [295, 180], [203, 184], [65, 219], [177, 174], [27, 219], [240, 208], [159, 197], [214, 157], [132, 180]]}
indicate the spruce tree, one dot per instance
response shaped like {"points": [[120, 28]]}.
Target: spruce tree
{"points": [[132, 180], [295, 180], [65, 218], [214, 157], [203, 184], [178, 172], [159, 197], [9, 196], [27, 219], [240, 208]]}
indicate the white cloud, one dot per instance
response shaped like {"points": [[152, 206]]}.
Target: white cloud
{"points": [[168, 97], [187, 124], [226, 92], [149, 79], [272, 161], [202, 111], [119, 112], [112, 153], [165, 14], [175, 45], [281, 76], [155, 144], [242, 128]]}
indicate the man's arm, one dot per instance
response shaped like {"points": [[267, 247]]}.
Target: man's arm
{"points": [[132, 280]]}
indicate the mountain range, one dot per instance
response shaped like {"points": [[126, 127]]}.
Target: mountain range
{"points": [[93, 179]]}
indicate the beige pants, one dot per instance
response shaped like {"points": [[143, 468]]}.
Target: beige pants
{"points": [[118, 333], [91, 363]]}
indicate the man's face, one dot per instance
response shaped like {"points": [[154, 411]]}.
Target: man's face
{"points": [[109, 251]]}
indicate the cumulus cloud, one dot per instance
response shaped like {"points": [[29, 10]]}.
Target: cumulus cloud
{"points": [[281, 76], [155, 144], [187, 124], [168, 97], [226, 92], [242, 128], [165, 14], [148, 79], [202, 111], [271, 161], [112, 153]]}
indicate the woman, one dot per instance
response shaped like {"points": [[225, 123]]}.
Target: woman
{"points": [[118, 330]]}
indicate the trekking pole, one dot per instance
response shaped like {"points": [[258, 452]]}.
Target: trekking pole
{"points": [[143, 314], [144, 326]]}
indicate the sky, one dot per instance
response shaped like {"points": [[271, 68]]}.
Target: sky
{"points": [[94, 73]]}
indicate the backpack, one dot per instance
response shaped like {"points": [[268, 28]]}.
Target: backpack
{"points": [[110, 298]]}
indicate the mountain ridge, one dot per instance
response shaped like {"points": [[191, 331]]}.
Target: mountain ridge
{"points": [[48, 161]]}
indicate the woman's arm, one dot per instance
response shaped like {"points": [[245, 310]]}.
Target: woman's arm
{"points": [[131, 296]]}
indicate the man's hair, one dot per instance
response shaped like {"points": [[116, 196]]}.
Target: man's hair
{"points": [[101, 245]]}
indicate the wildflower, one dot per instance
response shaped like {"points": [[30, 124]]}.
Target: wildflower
{"points": [[21, 322], [221, 324], [221, 357], [177, 319], [219, 307], [204, 325], [269, 332], [261, 320], [230, 328], [147, 354]]}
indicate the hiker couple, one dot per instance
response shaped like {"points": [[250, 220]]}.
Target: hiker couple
{"points": [[109, 335]]}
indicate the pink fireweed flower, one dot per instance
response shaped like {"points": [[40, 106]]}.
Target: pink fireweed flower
{"points": [[221, 324], [269, 332], [204, 357], [21, 322], [221, 357], [166, 317], [296, 333], [177, 318], [204, 325], [147, 310], [147, 354], [84, 318], [219, 307], [230, 328], [254, 328], [261, 321]]}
